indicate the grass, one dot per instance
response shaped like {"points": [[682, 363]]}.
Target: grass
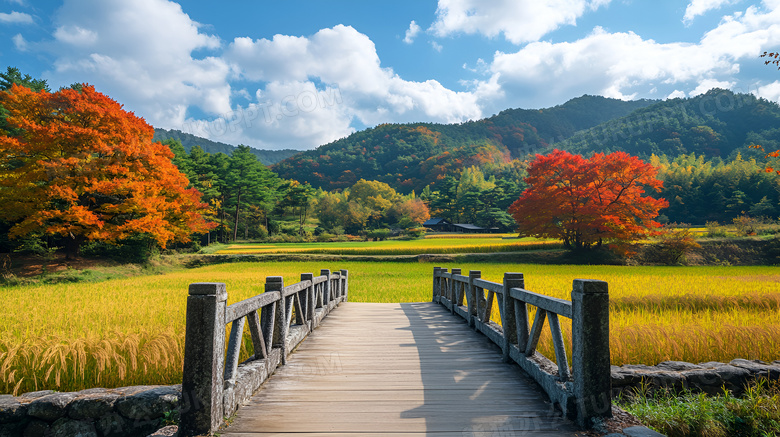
{"points": [[756, 414], [130, 331], [441, 245]]}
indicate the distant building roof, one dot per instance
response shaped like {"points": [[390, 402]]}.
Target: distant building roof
{"points": [[436, 221], [468, 226]]}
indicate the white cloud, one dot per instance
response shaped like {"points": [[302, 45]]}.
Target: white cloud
{"points": [[708, 84], [345, 58], [625, 65], [436, 46], [770, 91], [141, 54], [292, 114], [700, 7], [75, 35], [412, 32], [19, 42], [518, 20], [15, 18], [676, 94]]}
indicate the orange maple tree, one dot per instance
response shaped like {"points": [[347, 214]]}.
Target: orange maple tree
{"points": [[80, 166], [586, 202]]}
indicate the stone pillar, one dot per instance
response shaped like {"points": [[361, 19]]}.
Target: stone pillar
{"points": [[453, 290], [345, 290], [308, 307], [471, 297], [590, 350], [508, 317], [436, 283], [326, 291], [276, 283], [204, 356]]}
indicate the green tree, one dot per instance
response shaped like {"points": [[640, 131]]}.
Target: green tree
{"points": [[246, 180], [297, 197]]}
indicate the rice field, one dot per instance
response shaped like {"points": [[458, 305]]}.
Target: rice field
{"points": [[440, 244], [131, 331]]}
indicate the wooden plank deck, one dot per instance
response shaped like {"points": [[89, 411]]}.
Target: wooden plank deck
{"points": [[400, 370]]}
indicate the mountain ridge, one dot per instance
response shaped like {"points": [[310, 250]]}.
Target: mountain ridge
{"points": [[412, 155], [267, 157]]}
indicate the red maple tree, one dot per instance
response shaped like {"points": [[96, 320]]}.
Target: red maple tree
{"points": [[586, 202], [74, 163]]}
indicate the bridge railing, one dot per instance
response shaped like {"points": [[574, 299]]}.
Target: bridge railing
{"points": [[214, 384], [582, 392]]}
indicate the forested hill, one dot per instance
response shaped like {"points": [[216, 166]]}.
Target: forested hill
{"points": [[189, 141], [411, 156], [718, 123]]}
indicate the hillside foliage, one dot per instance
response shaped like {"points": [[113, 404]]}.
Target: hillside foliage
{"points": [[718, 123], [188, 141], [412, 156]]}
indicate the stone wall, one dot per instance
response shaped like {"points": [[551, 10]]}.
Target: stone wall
{"points": [[121, 412], [708, 377]]}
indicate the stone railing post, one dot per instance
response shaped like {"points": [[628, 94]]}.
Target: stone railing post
{"points": [[204, 356], [590, 350], [436, 283], [452, 290], [471, 297], [508, 316], [308, 306], [345, 290], [276, 283], [326, 290]]}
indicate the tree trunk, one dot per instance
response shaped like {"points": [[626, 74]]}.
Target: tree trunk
{"points": [[222, 219], [238, 204], [73, 246]]}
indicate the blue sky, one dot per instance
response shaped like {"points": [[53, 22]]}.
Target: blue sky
{"points": [[298, 74]]}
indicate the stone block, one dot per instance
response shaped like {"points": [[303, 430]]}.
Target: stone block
{"points": [[622, 377], [112, 425], [50, 407], [14, 429], [92, 406], [703, 380], [36, 394], [734, 378], [712, 364], [72, 428], [677, 366], [149, 404], [641, 431], [758, 368], [11, 410], [666, 380], [36, 428]]}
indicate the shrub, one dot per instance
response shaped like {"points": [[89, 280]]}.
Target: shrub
{"points": [[136, 249], [416, 232], [378, 234], [715, 230], [672, 246], [745, 225]]}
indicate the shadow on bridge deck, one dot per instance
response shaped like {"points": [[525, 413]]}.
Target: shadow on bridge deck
{"points": [[402, 370]]}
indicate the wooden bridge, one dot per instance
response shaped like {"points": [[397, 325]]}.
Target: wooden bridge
{"points": [[403, 369]]}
